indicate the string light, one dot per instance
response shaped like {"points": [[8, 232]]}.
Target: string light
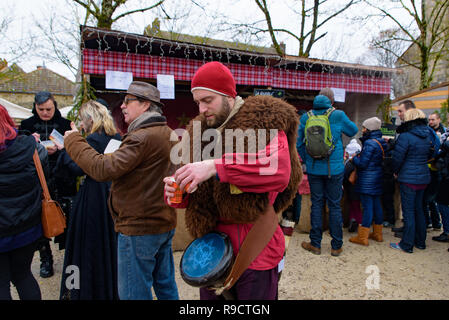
{"points": [[137, 46], [283, 64]]}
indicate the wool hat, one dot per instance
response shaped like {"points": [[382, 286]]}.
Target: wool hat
{"points": [[145, 91], [372, 124], [215, 77]]}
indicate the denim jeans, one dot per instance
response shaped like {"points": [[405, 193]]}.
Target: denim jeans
{"points": [[444, 210], [144, 262], [297, 207], [414, 222], [389, 189], [252, 285], [430, 207], [323, 188], [372, 208]]}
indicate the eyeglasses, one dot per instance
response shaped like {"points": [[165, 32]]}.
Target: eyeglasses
{"points": [[127, 100]]}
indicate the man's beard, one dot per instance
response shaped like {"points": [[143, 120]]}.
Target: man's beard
{"points": [[221, 116]]}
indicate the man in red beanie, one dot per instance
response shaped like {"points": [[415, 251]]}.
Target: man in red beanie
{"points": [[232, 196]]}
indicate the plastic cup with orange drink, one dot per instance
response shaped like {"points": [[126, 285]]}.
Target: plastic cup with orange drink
{"points": [[177, 198]]}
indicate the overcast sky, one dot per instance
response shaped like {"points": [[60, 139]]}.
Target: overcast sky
{"points": [[346, 41]]}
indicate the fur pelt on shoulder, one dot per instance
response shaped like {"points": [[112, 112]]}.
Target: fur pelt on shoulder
{"points": [[213, 200]]}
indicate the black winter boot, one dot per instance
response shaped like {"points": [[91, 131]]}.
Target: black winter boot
{"points": [[46, 269], [353, 226]]}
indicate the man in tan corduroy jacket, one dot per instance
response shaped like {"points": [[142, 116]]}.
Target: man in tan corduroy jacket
{"points": [[145, 224]]}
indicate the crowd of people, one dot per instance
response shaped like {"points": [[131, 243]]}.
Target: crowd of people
{"points": [[118, 204]]}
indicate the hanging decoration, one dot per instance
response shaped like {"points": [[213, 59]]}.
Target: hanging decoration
{"points": [[259, 69]]}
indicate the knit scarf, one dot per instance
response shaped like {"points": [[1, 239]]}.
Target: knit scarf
{"points": [[141, 119]]}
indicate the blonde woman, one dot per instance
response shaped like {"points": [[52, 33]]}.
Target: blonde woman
{"points": [[415, 146], [91, 239]]}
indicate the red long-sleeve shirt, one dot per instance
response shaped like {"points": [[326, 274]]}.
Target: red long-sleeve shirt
{"points": [[267, 171]]}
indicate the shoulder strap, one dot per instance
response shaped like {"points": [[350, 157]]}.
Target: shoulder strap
{"points": [[329, 111], [380, 145], [257, 238], [40, 173]]}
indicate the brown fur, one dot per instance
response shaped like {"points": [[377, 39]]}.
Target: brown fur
{"points": [[213, 199]]}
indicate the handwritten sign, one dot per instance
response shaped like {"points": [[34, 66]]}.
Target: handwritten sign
{"points": [[118, 80], [339, 94], [166, 85]]}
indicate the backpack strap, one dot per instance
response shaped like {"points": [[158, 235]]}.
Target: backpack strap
{"points": [[328, 114], [329, 111]]}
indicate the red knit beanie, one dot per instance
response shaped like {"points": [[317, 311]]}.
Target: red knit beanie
{"points": [[215, 77]]}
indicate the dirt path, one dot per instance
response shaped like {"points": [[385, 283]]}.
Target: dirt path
{"points": [[421, 275]]}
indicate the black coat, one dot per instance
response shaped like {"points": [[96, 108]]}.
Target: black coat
{"points": [[351, 193], [414, 147], [44, 128], [91, 240], [20, 190], [442, 164], [59, 184]]}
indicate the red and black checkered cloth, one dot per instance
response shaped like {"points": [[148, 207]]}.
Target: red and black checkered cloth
{"points": [[148, 67]]}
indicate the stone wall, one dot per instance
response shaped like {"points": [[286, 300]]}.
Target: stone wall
{"points": [[26, 99]]}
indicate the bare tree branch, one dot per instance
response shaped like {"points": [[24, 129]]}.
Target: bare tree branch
{"points": [[431, 21], [305, 39], [138, 10], [262, 4]]}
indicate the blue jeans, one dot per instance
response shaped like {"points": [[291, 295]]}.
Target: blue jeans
{"points": [[444, 210], [414, 222], [297, 207], [323, 188], [144, 262], [371, 208], [430, 207]]}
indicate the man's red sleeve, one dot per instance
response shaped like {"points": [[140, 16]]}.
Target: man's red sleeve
{"points": [[265, 171]]}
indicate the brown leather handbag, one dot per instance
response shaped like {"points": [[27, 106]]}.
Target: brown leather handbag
{"points": [[353, 176], [53, 218]]}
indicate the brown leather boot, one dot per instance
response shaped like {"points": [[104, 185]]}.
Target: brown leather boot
{"points": [[308, 246], [361, 237], [336, 252], [377, 233]]}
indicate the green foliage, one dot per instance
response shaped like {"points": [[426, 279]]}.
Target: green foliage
{"points": [[85, 93], [385, 110], [10, 73], [444, 111]]}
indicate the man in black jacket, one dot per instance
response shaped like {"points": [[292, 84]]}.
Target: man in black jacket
{"points": [[47, 117]]}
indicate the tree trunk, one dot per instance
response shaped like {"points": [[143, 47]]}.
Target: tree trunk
{"points": [[104, 22], [425, 77]]}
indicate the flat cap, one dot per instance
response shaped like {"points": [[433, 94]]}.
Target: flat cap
{"points": [[145, 91]]}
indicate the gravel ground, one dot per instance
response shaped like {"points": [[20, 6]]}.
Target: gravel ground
{"points": [[421, 275]]}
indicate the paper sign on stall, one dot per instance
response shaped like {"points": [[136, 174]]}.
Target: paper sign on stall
{"points": [[339, 94], [118, 80], [166, 86]]}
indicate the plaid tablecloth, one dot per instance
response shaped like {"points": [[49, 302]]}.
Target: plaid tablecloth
{"points": [[148, 67]]}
